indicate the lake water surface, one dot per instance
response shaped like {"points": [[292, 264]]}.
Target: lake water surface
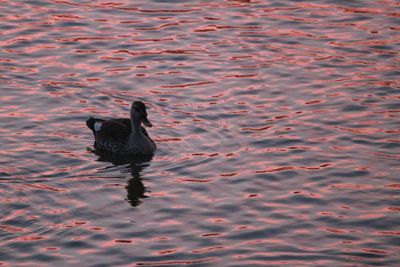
{"points": [[277, 124]]}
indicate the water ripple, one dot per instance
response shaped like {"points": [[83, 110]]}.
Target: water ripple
{"points": [[276, 123]]}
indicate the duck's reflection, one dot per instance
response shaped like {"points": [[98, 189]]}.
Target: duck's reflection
{"points": [[134, 165]]}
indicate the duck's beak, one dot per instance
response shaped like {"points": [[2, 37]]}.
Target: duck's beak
{"points": [[147, 123]]}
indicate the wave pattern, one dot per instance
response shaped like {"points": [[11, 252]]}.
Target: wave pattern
{"points": [[277, 124]]}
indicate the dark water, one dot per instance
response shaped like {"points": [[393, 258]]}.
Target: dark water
{"points": [[277, 124]]}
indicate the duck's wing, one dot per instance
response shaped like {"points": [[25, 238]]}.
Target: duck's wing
{"points": [[113, 129], [122, 125], [127, 122]]}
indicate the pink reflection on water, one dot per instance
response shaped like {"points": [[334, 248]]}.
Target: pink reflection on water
{"points": [[188, 180], [12, 229], [168, 251], [177, 263], [30, 238], [290, 168], [208, 249], [393, 233], [247, 73]]}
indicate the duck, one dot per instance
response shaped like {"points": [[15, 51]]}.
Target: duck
{"points": [[123, 136]]}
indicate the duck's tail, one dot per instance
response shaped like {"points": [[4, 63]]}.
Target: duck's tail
{"points": [[94, 124], [90, 123]]}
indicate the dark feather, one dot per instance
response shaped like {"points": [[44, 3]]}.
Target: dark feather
{"points": [[91, 121], [120, 127]]}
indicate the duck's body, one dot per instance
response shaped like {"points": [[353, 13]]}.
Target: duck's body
{"points": [[123, 136]]}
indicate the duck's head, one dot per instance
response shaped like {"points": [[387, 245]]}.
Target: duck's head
{"points": [[139, 113]]}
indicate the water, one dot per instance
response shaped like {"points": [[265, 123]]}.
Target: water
{"points": [[277, 124]]}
